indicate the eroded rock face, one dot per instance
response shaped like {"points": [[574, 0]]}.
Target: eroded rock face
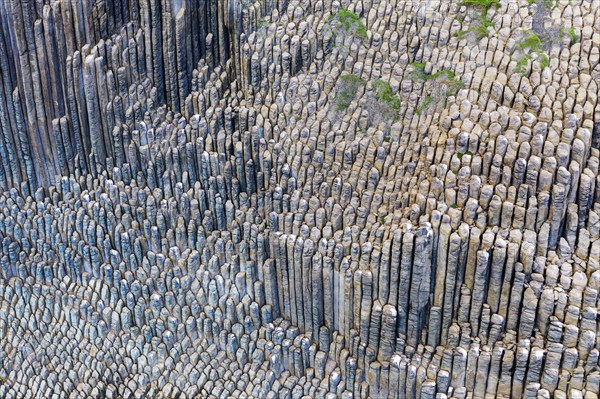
{"points": [[299, 199]]}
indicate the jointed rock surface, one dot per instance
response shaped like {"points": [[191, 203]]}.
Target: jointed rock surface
{"points": [[299, 199]]}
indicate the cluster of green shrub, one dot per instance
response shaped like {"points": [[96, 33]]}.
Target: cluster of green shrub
{"points": [[262, 23], [454, 85], [572, 34], [389, 102], [531, 45], [481, 29], [384, 93], [383, 102], [426, 103], [347, 88], [348, 22]]}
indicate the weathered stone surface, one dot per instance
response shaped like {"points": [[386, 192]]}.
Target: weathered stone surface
{"points": [[299, 199]]}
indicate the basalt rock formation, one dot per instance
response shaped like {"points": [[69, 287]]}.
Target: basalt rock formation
{"points": [[299, 199]]}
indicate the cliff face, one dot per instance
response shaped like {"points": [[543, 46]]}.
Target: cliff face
{"points": [[299, 199], [71, 69]]}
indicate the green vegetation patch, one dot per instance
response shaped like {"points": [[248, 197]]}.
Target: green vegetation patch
{"points": [[544, 60], [485, 4], [522, 64], [262, 22], [419, 71], [426, 103], [549, 3], [350, 22], [574, 36], [348, 85], [420, 74], [481, 29], [454, 85], [384, 93], [532, 44], [459, 155], [387, 103]]}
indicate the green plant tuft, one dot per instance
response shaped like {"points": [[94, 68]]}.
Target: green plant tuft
{"points": [[485, 4], [348, 86], [420, 74], [262, 22], [574, 36], [426, 103], [549, 3], [351, 79], [480, 30], [544, 60], [522, 64], [349, 21], [419, 71], [384, 93], [532, 42], [454, 85], [449, 74], [459, 155]]}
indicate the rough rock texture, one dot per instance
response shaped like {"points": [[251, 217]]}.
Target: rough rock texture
{"points": [[303, 198]]}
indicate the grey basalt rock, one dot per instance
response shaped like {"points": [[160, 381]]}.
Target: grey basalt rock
{"points": [[190, 208]]}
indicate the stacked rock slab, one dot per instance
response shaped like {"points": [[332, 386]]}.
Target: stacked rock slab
{"points": [[194, 208]]}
